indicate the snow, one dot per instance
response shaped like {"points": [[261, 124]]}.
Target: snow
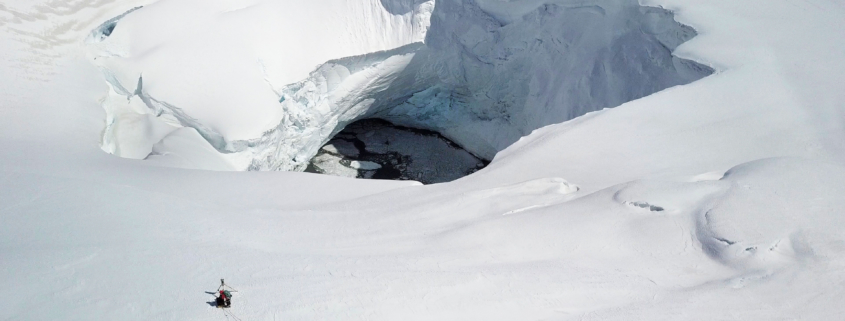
{"points": [[747, 165], [217, 66], [185, 148]]}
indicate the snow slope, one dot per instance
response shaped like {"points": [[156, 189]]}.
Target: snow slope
{"points": [[720, 199]]}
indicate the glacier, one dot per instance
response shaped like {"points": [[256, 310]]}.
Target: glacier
{"points": [[718, 199], [480, 80], [135, 48]]}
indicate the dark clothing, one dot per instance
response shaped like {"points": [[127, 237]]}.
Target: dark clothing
{"points": [[224, 300]]}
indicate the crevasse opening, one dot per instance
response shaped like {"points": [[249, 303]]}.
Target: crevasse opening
{"points": [[377, 149], [482, 78]]}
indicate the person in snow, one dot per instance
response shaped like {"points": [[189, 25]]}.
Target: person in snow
{"points": [[225, 299]]}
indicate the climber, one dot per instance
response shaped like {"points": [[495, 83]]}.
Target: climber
{"points": [[225, 299]]}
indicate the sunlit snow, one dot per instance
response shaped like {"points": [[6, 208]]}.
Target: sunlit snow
{"points": [[698, 196]]}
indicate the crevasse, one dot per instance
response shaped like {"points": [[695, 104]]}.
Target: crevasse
{"points": [[484, 77]]}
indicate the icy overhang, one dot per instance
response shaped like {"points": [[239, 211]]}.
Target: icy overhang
{"points": [[481, 79], [216, 66], [220, 61]]}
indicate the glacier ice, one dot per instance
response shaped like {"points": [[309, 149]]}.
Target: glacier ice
{"points": [[483, 77], [559, 61], [208, 65]]}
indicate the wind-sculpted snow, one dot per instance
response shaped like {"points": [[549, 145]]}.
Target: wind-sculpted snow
{"points": [[756, 241]]}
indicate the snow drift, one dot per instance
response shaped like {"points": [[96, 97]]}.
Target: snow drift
{"points": [[482, 79]]}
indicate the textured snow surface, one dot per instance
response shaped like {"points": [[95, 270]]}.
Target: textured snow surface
{"points": [[721, 199]]}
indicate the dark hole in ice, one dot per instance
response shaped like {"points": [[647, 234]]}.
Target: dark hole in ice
{"points": [[377, 149], [109, 29]]}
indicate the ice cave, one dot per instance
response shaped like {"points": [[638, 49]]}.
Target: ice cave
{"points": [[478, 76], [377, 149]]}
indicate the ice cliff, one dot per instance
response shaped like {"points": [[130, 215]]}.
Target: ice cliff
{"points": [[500, 78], [487, 73]]}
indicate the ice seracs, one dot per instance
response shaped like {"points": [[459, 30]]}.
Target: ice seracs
{"points": [[483, 78], [209, 65], [504, 77]]}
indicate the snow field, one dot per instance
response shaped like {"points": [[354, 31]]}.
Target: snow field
{"points": [[746, 165]]}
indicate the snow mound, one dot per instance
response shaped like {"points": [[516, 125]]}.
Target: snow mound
{"points": [[803, 194]]}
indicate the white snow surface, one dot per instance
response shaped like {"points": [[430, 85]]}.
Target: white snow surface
{"points": [[717, 200]]}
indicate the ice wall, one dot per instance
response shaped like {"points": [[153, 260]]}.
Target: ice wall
{"points": [[500, 77], [486, 78], [489, 72]]}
